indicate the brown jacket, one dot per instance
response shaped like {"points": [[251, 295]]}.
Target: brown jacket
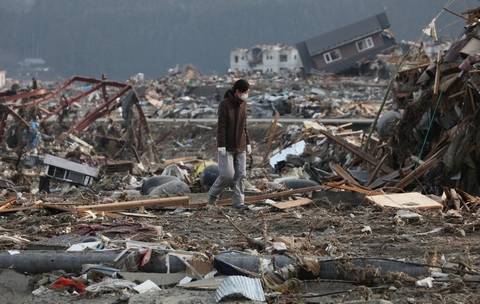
{"points": [[232, 124]]}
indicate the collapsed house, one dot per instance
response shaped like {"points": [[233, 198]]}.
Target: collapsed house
{"points": [[348, 47], [277, 58]]}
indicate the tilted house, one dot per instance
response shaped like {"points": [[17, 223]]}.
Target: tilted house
{"points": [[346, 47], [65, 170]]}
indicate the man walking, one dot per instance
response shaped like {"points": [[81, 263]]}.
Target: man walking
{"points": [[233, 144]]}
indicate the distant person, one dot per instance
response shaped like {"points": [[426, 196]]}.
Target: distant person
{"points": [[233, 144]]}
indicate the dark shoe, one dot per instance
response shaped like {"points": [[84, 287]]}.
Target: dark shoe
{"points": [[241, 206], [212, 200]]}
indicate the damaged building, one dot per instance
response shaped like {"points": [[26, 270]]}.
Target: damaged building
{"points": [[276, 58], [347, 47]]}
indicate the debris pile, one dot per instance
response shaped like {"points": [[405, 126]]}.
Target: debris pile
{"points": [[105, 184], [437, 102]]}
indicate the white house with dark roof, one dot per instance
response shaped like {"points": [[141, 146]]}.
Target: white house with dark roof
{"points": [[275, 58]]}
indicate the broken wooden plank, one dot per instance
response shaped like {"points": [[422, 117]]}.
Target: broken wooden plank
{"points": [[356, 150], [57, 207], [419, 66], [272, 130], [160, 202], [375, 171], [291, 204], [437, 78], [457, 94], [103, 213], [349, 133], [466, 196], [257, 198], [179, 160], [276, 135], [416, 173], [456, 14], [6, 204], [411, 200], [137, 214], [354, 189], [344, 174], [19, 209]]}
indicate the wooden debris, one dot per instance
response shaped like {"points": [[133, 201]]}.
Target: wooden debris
{"points": [[179, 160], [344, 174], [375, 172], [7, 204], [379, 182], [158, 203], [255, 243], [356, 150], [271, 131], [413, 200], [291, 204], [354, 189], [415, 174]]}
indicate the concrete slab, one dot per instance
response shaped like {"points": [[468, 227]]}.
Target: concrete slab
{"points": [[161, 279], [212, 283], [175, 297], [14, 287]]}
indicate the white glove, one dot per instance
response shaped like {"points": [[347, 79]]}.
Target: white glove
{"points": [[249, 149], [222, 150]]}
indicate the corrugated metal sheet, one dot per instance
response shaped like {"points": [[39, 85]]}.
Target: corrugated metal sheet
{"points": [[250, 288]]}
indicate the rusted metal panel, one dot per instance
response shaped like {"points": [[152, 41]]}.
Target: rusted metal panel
{"points": [[4, 97], [97, 84]]}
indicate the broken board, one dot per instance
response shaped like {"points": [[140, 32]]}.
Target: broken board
{"points": [[290, 204], [413, 200]]}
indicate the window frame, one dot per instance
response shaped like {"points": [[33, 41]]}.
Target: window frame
{"points": [[367, 41], [329, 58]]}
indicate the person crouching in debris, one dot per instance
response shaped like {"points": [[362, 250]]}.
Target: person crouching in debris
{"points": [[233, 144]]}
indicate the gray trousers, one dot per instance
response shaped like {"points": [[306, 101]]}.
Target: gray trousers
{"points": [[231, 171]]}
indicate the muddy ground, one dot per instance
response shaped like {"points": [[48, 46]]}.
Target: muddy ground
{"points": [[345, 229], [321, 227]]}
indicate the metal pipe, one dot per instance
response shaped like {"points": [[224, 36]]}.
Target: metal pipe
{"points": [[40, 261]]}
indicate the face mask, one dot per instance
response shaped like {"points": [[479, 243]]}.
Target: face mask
{"points": [[244, 97]]}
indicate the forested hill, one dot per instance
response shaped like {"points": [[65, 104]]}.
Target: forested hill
{"points": [[125, 37]]}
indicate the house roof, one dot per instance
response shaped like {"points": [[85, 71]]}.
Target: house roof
{"points": [[69, 165], [343, 35]]}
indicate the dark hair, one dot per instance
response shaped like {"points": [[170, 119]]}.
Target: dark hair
{"points": [[242, 85]]}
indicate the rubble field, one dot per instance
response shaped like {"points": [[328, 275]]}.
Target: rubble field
{"points": [[343, 226], [359, 190]]}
